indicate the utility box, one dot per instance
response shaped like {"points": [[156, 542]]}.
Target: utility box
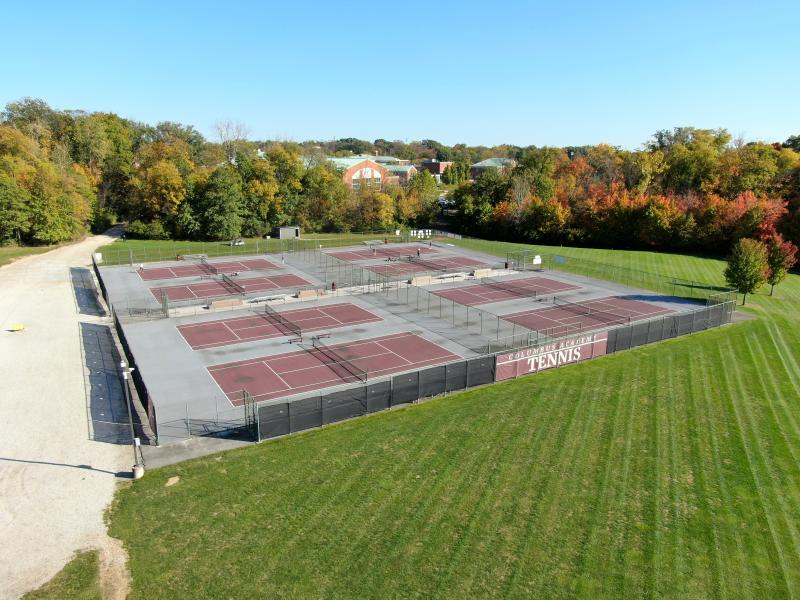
{"points": [[288, 232]]}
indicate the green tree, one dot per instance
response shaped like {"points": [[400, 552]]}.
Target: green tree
{"points": [[261, 205], [288, 173], [781, 256], [14, 215], [753, 168], [793, 142], [325, 200], [423, 193], [218, 206], [747, 266]]}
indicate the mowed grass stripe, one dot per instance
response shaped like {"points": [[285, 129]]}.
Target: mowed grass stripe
{"points": [[524, 542], [515, 499], [704, 444], [785, 423], [336, 507], [769, 469], [737, 393], [458, 489], [559, 464], [608, 453]]}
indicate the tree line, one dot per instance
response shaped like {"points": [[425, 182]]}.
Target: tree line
{"points": [[65, 171], [686, 189]]}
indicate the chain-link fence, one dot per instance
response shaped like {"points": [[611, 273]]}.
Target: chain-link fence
{"points": [[132, 252], [670, 326], [289, 417], [527, 260]]}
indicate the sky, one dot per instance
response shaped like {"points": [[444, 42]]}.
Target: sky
{"points": [[480, 73]]}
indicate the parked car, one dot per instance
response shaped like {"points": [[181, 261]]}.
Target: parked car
{"points": [[236, 242]]}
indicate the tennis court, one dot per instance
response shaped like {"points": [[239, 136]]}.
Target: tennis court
{"points": [[499, 290], [444, 263], [219, 287], [381, 251], [198, 269], [565, 317], [264, 325], [316, 368]]}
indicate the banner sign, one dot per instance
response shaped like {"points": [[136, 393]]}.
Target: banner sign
{"points": [[548, 356]]}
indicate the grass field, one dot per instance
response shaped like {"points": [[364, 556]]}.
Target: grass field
{"points": [[670, 470], [78, 580], [11, 253], [119, 252]]}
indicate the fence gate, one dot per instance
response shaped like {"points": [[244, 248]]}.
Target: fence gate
{"points": [[250, 415]]}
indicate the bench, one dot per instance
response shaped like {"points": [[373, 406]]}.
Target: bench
{"points": [[422, 280], [227, 303]]}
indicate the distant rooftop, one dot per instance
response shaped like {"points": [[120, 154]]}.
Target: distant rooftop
{"points": [[496, 163], [340, 162], [378, 159], [398, 168]]}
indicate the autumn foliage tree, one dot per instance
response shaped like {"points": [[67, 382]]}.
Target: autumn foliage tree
{"points": [[781, 256]]}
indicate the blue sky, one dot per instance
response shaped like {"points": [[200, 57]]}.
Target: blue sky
{"points": [[543, 73]]}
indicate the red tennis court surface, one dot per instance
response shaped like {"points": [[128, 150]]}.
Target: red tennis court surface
{"points": [[199, 269], [262, 326], [217, 288], [562, 320], [498, 291], [444, 263], [367, 253], [308, 370]]}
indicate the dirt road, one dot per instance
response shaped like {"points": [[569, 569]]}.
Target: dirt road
{"points": [[54, 482]]}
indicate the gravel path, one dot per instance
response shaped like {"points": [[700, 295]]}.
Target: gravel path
{"points": [[54, 482]]}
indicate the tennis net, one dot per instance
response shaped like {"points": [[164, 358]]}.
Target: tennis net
{"points": [[590, 311], [282, 322], [339, 362], [428, 264], [208, 266], [232, 284], [507, 286]]}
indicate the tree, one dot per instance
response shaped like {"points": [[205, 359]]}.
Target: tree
{"points": [[781, 256], [793, 142], [422, 192], [219, 205], [325, 199], [161, 189], [261, 205], [231, 134], [288, 173], [373, 210], [747, 266], [13, 210]]}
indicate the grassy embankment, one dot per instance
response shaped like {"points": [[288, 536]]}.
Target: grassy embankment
{"points": [[9, 254]]}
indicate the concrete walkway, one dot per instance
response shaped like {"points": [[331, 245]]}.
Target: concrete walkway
{"points": [[55, 482]]}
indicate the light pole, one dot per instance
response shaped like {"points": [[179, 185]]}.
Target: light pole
{"points": [[138, 467]]}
